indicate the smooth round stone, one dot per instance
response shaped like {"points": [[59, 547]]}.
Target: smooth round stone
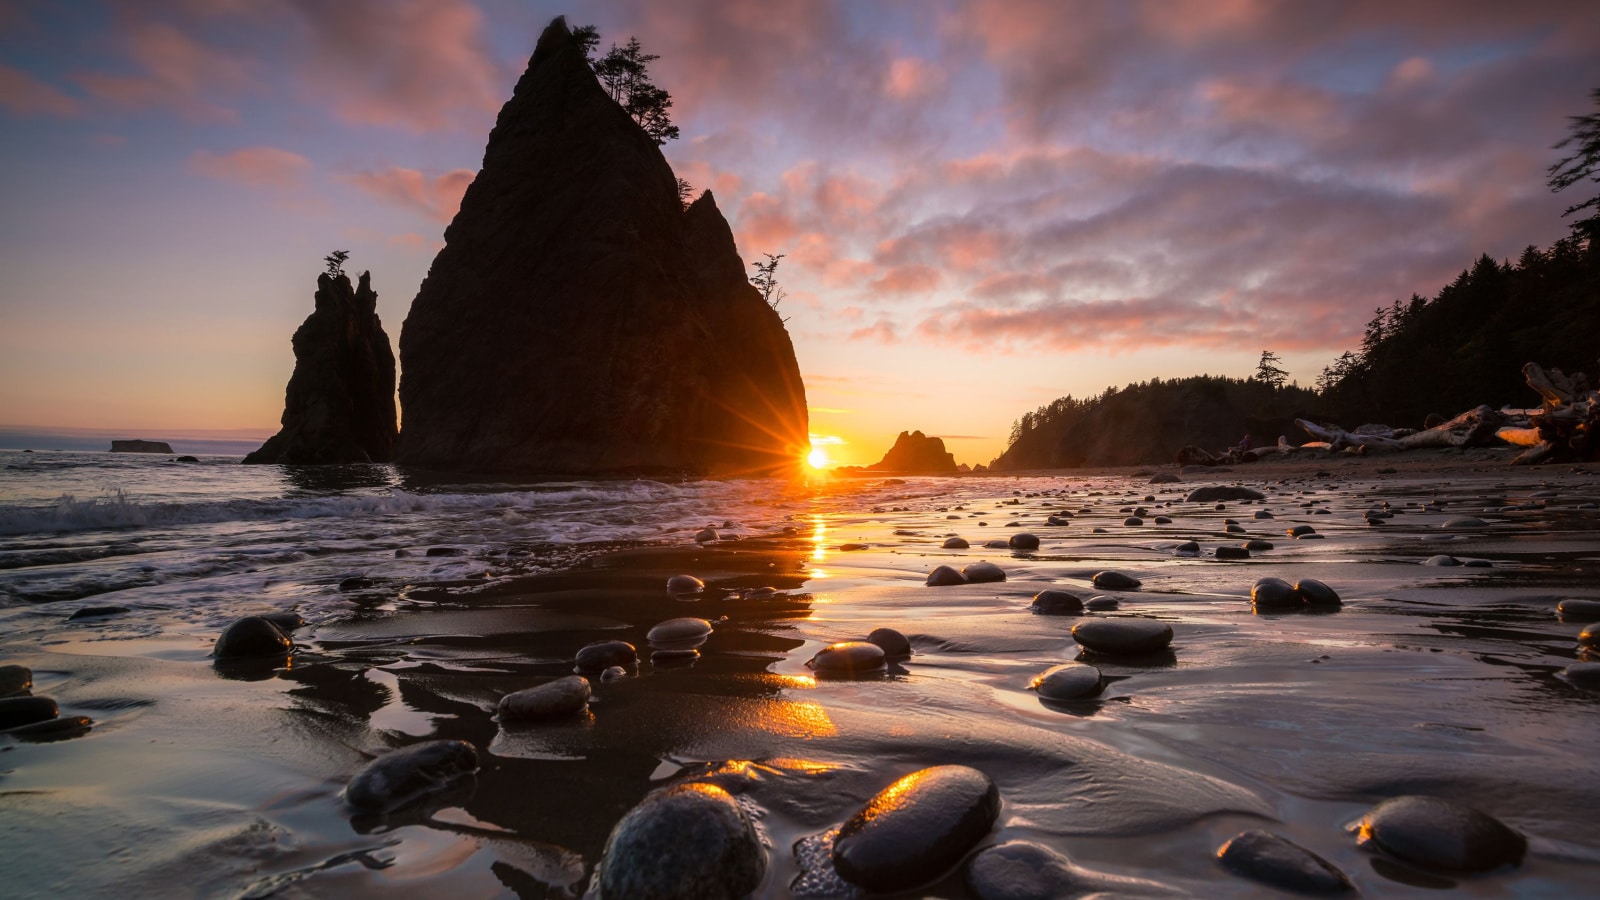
{"points": [[251, 636], [1069, 681], [955, 543], [848, 658], [52, 729], [1232, 553], [1101, 604], [1585, 675], [1575, 610], [688, 841], [944, 576], [1162, 520], [1274, 593], [676, 656], [705, 535], [1123, 636], [851, 548], [1441, 560], [914, 830], [1265, 857], [615, 673], [16, 711], [561, 697], [1022, 540], [1257, 545], [983, 572], [1115, 581], [1301, 531], [1263, 514], [15, 680], [1315, 593], [997, 545], [1132, 521], [1022, 870], [1439, 834], [1477, 564], [674, 631], [1213, 492], [679, 585], [400, 776], [1465, 522], [602, 655], [1590, 635], [893, 644], [1056, 603], [1187, 548], [1164, 478]]}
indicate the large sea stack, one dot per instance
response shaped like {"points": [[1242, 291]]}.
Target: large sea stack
{"points": [[580, 320], [914, 453], [339, 406]]}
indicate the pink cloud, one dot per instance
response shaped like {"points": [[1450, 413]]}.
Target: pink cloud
{"points": [[909, 78], [261, 167], [176, 73], [881, 331], [437, 197], [24, 95], [914, 279]]}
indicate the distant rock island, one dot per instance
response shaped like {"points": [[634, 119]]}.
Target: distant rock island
{"points": [[140, 447], [913, 453], [580, 319], [339, 406]]}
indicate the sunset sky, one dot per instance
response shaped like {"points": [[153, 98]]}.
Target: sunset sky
{"points": [[983, 205]]}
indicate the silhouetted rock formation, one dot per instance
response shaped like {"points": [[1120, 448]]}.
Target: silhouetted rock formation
{"points": [[140, 447], [914, 453], [339, 406], [579, 319]]}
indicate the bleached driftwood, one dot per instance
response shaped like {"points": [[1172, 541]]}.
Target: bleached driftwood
{"points": [[1338, 438], [1473, 428], [1567, 422]]}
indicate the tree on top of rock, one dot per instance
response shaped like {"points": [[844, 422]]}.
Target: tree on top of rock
{"points": [[625, 74]]}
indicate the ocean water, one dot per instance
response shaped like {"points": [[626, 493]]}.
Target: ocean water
{"points": [[207, 780]]}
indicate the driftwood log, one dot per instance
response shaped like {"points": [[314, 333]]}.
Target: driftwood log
{"points": [[1473, 428], [1565, 426]]}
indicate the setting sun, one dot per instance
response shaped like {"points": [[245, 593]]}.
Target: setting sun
{"points": [[817, 458]]}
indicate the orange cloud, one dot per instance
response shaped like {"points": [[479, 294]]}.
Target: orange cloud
{"points": [[261, 167], [24, 95], [438, 198]]}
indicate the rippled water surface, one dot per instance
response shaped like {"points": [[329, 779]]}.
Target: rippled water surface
{"points": [[200, 782]]}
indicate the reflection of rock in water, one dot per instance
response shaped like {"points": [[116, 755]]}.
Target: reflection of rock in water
{"points": [[323, 480]]}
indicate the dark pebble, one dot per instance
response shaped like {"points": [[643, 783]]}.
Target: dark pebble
{"points": [[286, 621], [1069, 681], [1132, 521], [602, 655], [916, 829], [1265, 857], [1187, 548], [1123, 636], [1115, 581], [1101, 604], [1301, 531], [15, 680], [680, 585], [401, 776], [956, 543], [356, 583], [1022, 540], [1441, 560], [1165, 478], [1462, 522], [848, 658], [998, 545], [1214, 492], [893, 644], [15, 711], [687, 630], [944, 576], [561, 697], [983, 572], [58, 729], [1576, 610], [95, 612], [1257, 545], [251, 636], [1439, 834], [851, 548], [1590, 635], [1263, 514], [1315, 593], [690, 841], [1274, 593], [1022, 870], [445, 551], [1584, 674], [1056, 603], [1232, 553], [1162, 520]]}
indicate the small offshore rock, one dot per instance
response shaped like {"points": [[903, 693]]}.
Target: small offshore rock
{"points": [[561, 697], [916, 829], [1126, 636], [17, 711], [1115, 581], [251, 636], [1056, 603], [1214, 492], [848, 658], [1301, 531], [1022, 540], [1315, 593], [1257, 545], [690, 841], [1023, 870], [15, 680], [955, 543], [680, 585], [401, 776], [983, 572], [1101, 604], [1440, 834], [1068, 681], [944, 576], [95, 612], [602, 655], [1441, 560], [1584, 674], [1232, 553], [1265, 857], [1575, 610], [674, 631], [893, 644], [1274, 593]]}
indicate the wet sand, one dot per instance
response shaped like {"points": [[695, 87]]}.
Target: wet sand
{"points": [[1443, 681]]}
